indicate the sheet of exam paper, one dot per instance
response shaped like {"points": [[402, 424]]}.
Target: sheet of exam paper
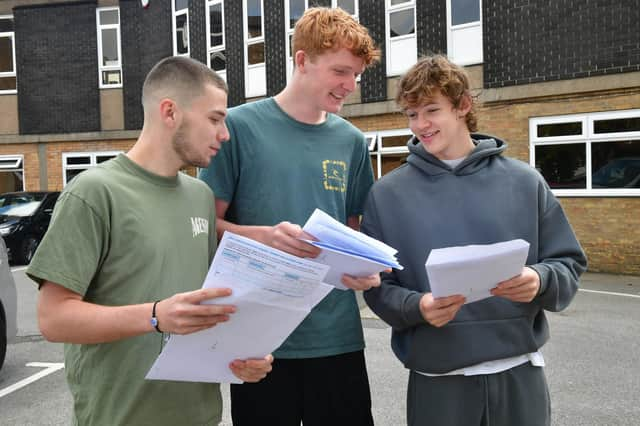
{"points": [[474, 270], [273, 292]]}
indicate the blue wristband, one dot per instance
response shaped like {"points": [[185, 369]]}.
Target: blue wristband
{"points": [[154, 319]]}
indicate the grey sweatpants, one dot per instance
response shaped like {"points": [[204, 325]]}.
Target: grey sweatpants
{"points": [[518, 396]]}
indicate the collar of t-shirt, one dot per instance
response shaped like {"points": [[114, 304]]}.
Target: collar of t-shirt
{"points": [[453, 163]]}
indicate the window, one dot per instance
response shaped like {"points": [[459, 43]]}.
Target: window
{"points": [[11, 173], [255, 72], [588, 154], [8, 82], [402, 51], [217, 57], [349, 6], [294, 9], [388, 149], [464, 31], [76, 162], [180, 10], [109, 53]]}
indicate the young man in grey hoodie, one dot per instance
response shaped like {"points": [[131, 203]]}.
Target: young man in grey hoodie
{"points": [[479, 363]]}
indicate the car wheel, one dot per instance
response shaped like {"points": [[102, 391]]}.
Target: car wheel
{"points": [[3, 338], [29, 247]]}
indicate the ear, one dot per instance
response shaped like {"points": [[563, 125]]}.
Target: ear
{"points": [[300, 59], [169, 112], [465, 105]]}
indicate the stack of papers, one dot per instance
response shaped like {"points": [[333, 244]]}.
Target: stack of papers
{"points": [[347, 251], [474, 270], [273, 292]]}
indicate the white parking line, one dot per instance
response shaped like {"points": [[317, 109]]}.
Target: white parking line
{"points": [[19, 268], [611, 293], [49, 368]]}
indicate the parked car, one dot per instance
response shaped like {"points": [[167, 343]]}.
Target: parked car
{"points": [[24, 218], [621, 172], [8, 304]]}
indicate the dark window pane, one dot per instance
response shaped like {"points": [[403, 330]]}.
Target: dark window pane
{"points": [[617, 125], [254, 20], [256, 53], [401, 140], [396, 2], [6, 54], [8, 83], [181, 4], [11, 181], [615, 164], [296, 9], [108, 17], [6, 25], [392, 161], [182, 34], [559, 129], [110, 47], [218, 61], [562, 165], [103, 158], [70, 174], [348, 6], [111, 77], [464, 11], [78, 160], [401, 23], [215, 24]]}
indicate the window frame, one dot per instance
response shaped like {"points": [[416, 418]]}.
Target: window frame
{"points": [[17, 166], [469, 25], [217, 48], [288, 32], [250, 42], [101, 67], [378, 150], [92, 161], [588, 137], [389, 9], [10, 74], [174, 16], [356, 6]]}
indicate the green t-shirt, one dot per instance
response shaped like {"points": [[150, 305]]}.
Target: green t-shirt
{"points": [[276, 169], [120, 235]]}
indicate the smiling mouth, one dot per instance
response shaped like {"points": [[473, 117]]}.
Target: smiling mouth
{"points": [[340, 98]]}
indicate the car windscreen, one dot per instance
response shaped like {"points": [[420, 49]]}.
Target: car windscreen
{"points": [[19, 205]]}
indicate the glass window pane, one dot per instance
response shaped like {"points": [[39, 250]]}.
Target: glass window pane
{"points": [[397, 2], [103, 158], [111, 77], [108, 17], [11, 181], [181, 4], [110, 47], [401, 23], [254, 18], [401, 140], [348, 6], [392, 161], [559, 129], [70, 174], [182, 34], [78, 160], [615, 164], [6, 54], [218, 61], [464, 11], [562, 165], [8, 83], [631, 124], [256, 53], [215, 24], [6, 25], [296, 9]]}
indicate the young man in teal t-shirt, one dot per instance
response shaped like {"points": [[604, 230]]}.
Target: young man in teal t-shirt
{"points": [[122, 262], [288, 155]]}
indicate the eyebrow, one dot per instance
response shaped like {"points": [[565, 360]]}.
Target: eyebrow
{"points": [[218, 112]]}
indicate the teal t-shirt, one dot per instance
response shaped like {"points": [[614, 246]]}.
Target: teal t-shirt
{"points": [[276, 169], [120, 235]]}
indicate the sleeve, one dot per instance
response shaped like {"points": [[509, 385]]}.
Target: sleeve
{"points": [[73, 247], [561, 260], [224, 169], [394, 304], [361, 178]]}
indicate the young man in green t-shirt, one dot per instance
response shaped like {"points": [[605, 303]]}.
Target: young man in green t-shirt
{"points": [[128, 249], [288, 155]]}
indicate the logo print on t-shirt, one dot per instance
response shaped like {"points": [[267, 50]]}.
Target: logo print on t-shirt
{"points": [[199, 226], [335, 175]]}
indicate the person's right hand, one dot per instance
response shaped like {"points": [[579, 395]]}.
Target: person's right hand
{"points": [[440, 311], [183, 313], [284, 236]]}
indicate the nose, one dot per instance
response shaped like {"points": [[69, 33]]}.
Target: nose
{"points": [[350, 83], [423, 122], [223, 134]]}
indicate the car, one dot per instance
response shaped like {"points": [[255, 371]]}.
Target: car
{"points": [[623, 172], [8, 304], [24, 219]]}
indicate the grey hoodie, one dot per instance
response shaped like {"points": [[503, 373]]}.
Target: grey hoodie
{"points": [[487, 198]]}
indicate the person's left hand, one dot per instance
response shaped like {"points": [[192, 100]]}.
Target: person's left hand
{"points": [[521, 288], [361, 283], [251, 370]]}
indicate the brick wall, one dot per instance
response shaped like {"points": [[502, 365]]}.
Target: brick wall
{"points": [[541, 40], [373, 84], [275, 47]]}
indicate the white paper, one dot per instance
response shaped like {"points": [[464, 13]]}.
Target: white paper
{"points": [[474, 270], [346, 250], [273, 292]]}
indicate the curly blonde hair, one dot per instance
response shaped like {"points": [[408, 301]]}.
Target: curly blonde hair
{"points": [[321, 29], [432, 75]]}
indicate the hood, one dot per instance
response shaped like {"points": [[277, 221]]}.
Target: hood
{"points": [[8, 220], [486, 148]]}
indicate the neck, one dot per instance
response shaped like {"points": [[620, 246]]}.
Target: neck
{"points": [[153, 152], [297, 105]]}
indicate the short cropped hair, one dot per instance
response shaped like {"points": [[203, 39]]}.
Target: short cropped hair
{"points": [[180, 79], [321, 29], [432, 75]]}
